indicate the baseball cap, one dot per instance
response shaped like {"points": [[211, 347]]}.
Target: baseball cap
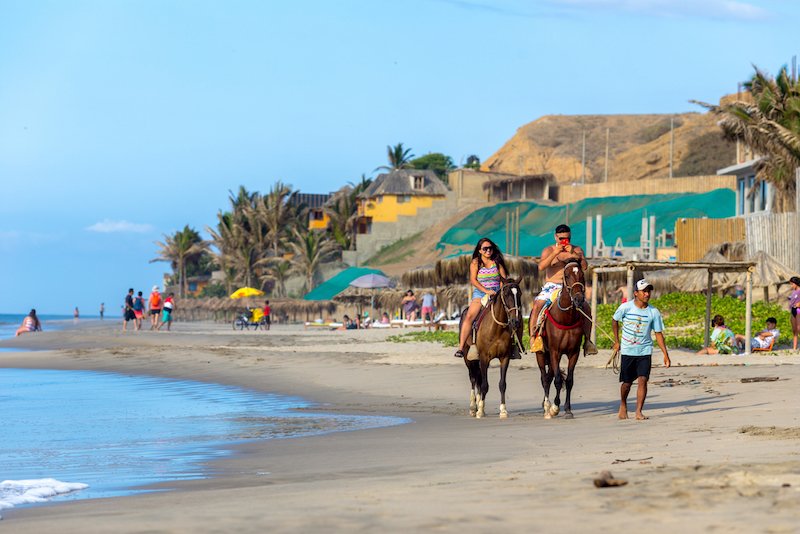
{"points": [[643, 284]]}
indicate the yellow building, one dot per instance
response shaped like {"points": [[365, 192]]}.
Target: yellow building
{"points": [[399, 192], [315, 203]]}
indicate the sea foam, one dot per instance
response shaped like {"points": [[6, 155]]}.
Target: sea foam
{"points": [[14, 492]]}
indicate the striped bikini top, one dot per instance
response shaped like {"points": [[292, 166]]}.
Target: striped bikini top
{"points": [[489, 277]]}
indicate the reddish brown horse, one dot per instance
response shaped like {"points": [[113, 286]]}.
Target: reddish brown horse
{"points": [[499, 329], [562, 335]]}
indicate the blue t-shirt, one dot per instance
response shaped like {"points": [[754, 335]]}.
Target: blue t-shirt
{"points": [[636, 324]]}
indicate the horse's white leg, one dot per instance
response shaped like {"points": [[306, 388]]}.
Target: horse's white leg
{"points": [[554, 410], [473, 403], [546, 407], [503, 411], [481, 412]]}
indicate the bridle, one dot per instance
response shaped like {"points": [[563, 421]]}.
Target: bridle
{"points": [[569, 288], [516, 308]]}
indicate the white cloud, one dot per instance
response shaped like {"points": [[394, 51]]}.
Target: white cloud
{"points": [[714, 9], [107, 226]]}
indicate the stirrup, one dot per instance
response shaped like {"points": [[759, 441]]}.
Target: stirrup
{"points": [[515, 355], [472, 353], [537, 345], [589, 348]]}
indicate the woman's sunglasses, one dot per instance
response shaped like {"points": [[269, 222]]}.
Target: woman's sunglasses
{"points": [[486, 249]]}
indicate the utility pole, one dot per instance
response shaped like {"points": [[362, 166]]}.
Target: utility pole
{"points": [[671, 143], [605, 174], [583, 159]]}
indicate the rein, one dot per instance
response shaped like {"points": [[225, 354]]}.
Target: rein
{"points": [[508, 310]]}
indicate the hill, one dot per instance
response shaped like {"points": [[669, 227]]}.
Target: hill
{"points": [[638, 147]]}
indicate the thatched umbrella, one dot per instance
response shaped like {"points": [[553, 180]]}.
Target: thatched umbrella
{"points": [[768, 272], [696, 280]]}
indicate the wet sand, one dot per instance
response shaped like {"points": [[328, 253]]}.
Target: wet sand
{"points": [[716, 454]]}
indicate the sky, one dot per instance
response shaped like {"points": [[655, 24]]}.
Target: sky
{"points": [[122, 121]]}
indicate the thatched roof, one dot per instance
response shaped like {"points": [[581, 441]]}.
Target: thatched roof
{"points": [[768, 272], [400, 182], [695, 280]]}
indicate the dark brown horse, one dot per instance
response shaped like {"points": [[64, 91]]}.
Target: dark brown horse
{"points": [[499, 329], [562, 335]]}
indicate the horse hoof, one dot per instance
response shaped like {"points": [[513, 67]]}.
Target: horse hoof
{"points": [[569, 415], [554, 410], [548, 416], [479, 415], [472, 413]]}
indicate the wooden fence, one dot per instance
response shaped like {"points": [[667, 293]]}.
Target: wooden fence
{"points": [[694, 237], [777, 234], [691, 184]]}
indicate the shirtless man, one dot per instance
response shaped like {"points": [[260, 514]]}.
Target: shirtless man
{"points": [[554, 259]]}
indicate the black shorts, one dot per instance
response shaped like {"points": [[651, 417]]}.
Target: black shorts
{"points": [[129, 315], [155, 311], [632, 367], [794, 312], [267, 320]]}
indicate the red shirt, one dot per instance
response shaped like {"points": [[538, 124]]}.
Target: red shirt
{"points": [[266, 310]]}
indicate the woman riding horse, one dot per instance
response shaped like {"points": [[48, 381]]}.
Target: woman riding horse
{"points": [[487, 270]]}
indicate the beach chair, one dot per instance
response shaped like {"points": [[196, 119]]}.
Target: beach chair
{"points": [[765, 349]]}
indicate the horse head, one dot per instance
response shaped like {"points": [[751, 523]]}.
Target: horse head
{"points": [[575, 283], [511, 299]]}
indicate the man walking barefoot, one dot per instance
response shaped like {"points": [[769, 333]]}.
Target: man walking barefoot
{"points": [[638, 318]]}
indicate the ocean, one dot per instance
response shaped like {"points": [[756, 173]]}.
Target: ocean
{"points": [[87, 434]]}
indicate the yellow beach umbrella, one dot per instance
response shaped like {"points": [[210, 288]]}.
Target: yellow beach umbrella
{"points": [[243, 292]]}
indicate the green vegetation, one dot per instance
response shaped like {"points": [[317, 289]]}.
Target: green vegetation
{"points": [[397, 251], [684, 317], [446, 338], [437, 162]]}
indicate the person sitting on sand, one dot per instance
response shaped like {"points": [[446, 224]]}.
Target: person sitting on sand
{"points": [[385, 318], [764, 339], [30, 323], [722, 338]]}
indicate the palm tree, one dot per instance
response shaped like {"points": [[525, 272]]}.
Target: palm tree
{"points": [[399, 158], [179, 248], [278, 271], [311, 249], [768, 122], [341, 210], [277, 215]]}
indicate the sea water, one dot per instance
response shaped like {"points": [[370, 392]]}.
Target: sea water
{"points": [[86, 434]]}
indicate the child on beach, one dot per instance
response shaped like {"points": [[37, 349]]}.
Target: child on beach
{"points": [[765, 339], [638, 318], [138, 310], [166, 314]]}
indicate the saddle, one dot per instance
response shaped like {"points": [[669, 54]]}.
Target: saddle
{"points": [[486, 302]]}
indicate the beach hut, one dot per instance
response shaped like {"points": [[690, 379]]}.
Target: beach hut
{"points": [[768, 272]]}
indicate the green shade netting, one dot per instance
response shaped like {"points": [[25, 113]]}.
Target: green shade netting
{"points": [[622, 218], [338, 283]]}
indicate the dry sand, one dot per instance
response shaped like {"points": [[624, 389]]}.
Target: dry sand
{"points": [[716, 455]]}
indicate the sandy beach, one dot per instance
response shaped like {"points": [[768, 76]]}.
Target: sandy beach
{"points": [[716, 455]]}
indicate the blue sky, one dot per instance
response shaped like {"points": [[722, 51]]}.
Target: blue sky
{"points": [[121, 121]]}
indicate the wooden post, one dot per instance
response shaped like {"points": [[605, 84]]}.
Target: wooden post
{"points": [[748, 317], [630, 282], [708, 309], [595, 288]]}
